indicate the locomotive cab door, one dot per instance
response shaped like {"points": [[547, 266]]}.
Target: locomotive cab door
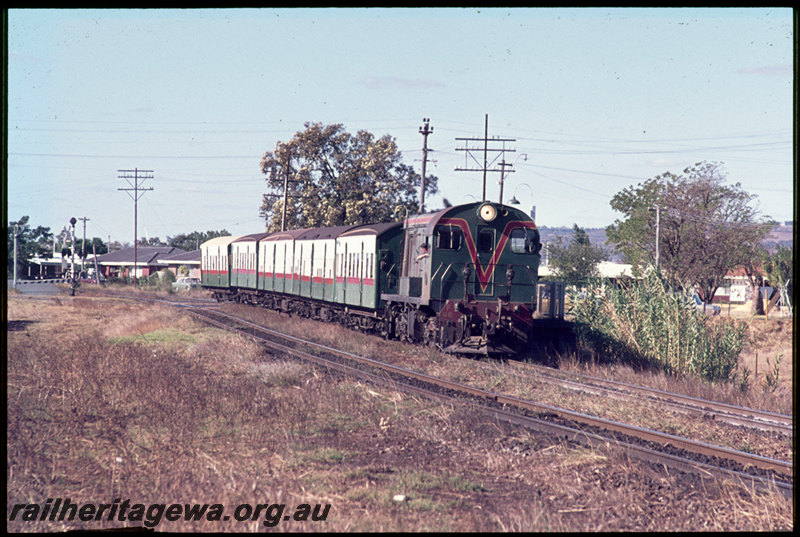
{"points": [[417, 261]]}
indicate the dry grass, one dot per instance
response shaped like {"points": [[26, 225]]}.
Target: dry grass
{"points": [[108, 400], [493, 375]]}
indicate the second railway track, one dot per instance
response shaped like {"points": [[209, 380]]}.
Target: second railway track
{"points": [[661, 448], [723, 412]]}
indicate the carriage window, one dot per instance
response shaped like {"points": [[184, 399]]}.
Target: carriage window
{"points": [[486, 240], [449, 239]]}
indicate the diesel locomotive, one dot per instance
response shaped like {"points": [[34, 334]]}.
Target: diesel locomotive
{"points": [[464, 278]]}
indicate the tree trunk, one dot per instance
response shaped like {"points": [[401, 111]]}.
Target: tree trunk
{"points": [[757, 307]]}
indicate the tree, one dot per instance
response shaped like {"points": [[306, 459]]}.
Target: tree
{"points": [[30, 243], [151, 241], [336, 178], [97, 245], [706, 227], [192, 241], [576, 262]]}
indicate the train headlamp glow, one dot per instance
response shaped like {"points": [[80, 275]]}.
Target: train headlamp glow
{"points": [[487, 212]]}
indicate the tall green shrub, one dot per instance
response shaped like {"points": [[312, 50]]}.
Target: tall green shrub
{"points": [[647, 321]]}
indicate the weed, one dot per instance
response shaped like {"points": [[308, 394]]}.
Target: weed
{"points": [[648, 323], [742, 379], [772, 378]]}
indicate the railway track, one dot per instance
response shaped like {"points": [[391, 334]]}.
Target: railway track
{"points": [[687, 455], [699, 458], [713, 410]]}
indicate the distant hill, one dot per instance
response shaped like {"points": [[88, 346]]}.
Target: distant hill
{"points": [[782, 235]]}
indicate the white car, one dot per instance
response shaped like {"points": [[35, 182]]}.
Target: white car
{"points": [[184, 284]]}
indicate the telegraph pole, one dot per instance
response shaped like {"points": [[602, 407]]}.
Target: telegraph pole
{"points": [[138, 191], [285, 191], [425, 130], [658, 233], [486, 149], [503, 165]]}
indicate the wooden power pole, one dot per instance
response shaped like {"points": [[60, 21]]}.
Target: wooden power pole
{"points": [[138, 191], [486, 149]]}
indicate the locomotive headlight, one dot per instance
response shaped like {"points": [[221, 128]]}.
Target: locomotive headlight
{"points": [[487, 212]]}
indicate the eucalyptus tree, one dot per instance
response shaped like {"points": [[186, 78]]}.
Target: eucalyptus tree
{"points": [[705, 227], [332, 177]]}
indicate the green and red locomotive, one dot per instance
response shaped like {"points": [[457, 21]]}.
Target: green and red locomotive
{"points": [[464, 279]]}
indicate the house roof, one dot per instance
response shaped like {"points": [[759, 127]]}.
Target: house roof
{"points": [[181, 258], [145, 255]]}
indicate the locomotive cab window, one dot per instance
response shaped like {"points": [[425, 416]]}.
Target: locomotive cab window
{"points": [[486, 240], [449, 239], [525, 241]]}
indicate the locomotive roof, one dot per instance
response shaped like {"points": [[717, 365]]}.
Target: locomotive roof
{"points": [[425, 218], [430, 220]]}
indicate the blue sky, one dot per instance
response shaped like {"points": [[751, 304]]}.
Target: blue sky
{"points": [[596, 99]]}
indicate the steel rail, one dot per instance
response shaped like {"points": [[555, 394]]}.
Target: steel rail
{"points": [[745, 459], [563, 431], [733, 414]]}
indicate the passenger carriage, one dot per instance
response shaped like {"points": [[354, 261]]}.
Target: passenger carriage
{"points": [[215, 262], [243, 260]]}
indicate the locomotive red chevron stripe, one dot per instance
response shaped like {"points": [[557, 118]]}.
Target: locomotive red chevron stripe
{"points": [[484, 275]]}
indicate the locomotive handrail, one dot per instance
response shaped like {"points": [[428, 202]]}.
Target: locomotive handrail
{"points": [[530, 274], [441, 278], [437, 270]]}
